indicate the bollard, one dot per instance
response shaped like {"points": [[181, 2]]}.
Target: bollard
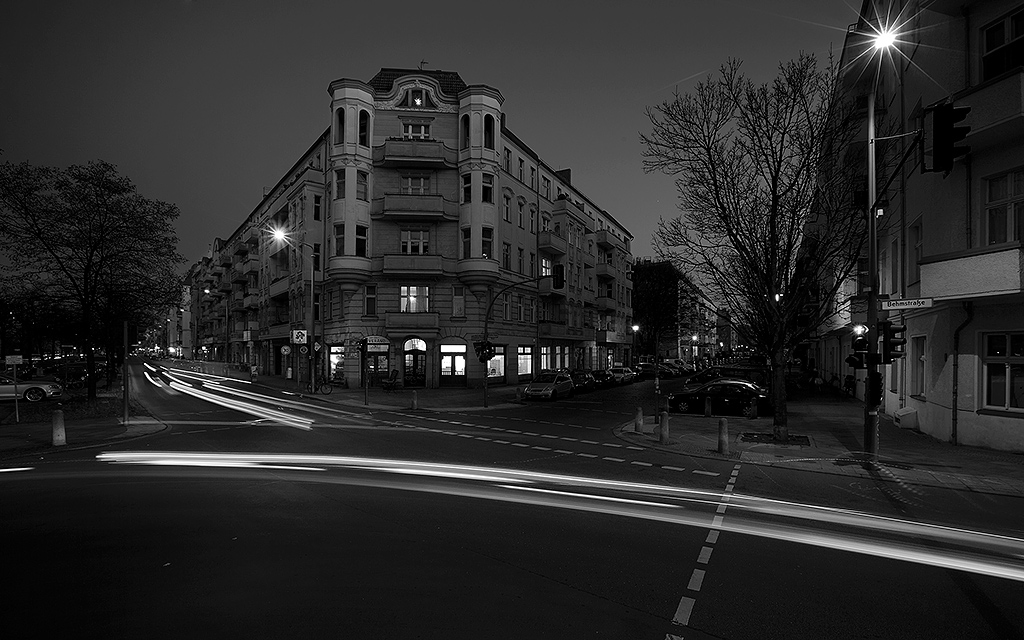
{"points": [[415, 400], [753, 409], [58, 428], [723, 436], [663, 428], [638, 422], [519, 394], [707, 407]]}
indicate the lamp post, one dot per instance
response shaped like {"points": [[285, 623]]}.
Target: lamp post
{"points": [[281, 236], [227, 328], [636, 330]]}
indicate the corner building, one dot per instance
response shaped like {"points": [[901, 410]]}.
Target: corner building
{"points": [[416, 211]]}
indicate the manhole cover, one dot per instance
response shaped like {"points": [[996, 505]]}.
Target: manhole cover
{"points": [[768, 438]]}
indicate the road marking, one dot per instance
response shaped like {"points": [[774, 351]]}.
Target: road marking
{"points": [[642, 464], [720, 509], [513, 431], [670, 468], [519, 444], [635, 448], [717, 522], [696, 580], [613, 459], [683, 611], [610, 444], [712, 537], [705, 555], [589, 441], [548, 435], [541, 448], [530, 433], [705, 473], [569, 439], [729, 487], [501, 441], [586, 455], [483, 438], [563, 451]]}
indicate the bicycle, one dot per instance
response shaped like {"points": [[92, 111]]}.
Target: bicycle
{"points": [[322, 386]]}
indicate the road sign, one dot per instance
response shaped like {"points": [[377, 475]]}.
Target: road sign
{"points": [[303, 349], [906, 303], [298, 336], [15, 360], [285, 350], [317, 346]]}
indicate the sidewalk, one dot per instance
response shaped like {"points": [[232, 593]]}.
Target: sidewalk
{"points": [[25, 438], [826, 436]]}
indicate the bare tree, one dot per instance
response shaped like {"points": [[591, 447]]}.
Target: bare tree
{"points": [[769, 228], [85, 239]]}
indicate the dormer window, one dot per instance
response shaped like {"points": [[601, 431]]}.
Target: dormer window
{"points": [[417, 99]]}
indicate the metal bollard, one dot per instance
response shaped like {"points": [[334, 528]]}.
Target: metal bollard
{"points": [[723, 436], [415, 400], [753, 409], [58, 428], [519, 394], [663, 428], [707, 407], [638, 422]]}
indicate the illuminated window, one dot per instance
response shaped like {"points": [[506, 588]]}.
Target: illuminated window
{"points": [[415, 299], [415, 131]]}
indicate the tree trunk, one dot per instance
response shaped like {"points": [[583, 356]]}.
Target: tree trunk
{"points": [[780, 424]]}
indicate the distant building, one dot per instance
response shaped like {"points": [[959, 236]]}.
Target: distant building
{"points": [[416, 211]]}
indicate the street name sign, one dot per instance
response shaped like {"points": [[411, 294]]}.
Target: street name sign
{"points": [[906, 303], [15, 360]]}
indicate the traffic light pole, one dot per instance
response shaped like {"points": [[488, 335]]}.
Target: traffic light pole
{"points": [[873, 374]]}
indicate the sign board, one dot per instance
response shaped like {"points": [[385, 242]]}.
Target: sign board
{"points": [[317, 346], [285, 350], [15, 360], [298, 336], [303, 349], [376, 340], [906, 303], [376, 348]]}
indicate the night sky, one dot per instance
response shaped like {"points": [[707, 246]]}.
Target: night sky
{"points": [[204, 103]]}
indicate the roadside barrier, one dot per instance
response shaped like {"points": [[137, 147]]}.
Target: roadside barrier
{"points": [[58, 428]]}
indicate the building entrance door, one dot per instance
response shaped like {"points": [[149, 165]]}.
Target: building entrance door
{"points": [[415, 363], [453, 365]]}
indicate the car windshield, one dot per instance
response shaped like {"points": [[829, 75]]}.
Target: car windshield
{"points": [[545, 377]]}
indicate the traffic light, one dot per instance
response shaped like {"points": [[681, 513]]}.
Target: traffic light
{"points": [[893, 342], [875, 388], [859, 358], [479, 348], [559, 276], [945, 135], [489, 351]]}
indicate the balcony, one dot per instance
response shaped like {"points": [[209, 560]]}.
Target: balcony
{"points": [[552, 243], [477, 273], [546, 288], [224, 286], [588, 296], [350, 272], [251, 301], [614, 337], [279, 287], [251, 236], [997, 109], [605, 303], [405, 323], [558, 329], [427, 154], [237, 299], [225, 259], [954, 276], [238, 275], [252, 265], [240, 248], [587, 258], [409, 206], [413, 265], [606, 271], [606, 239]]}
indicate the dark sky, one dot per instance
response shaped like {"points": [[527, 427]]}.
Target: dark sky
{"points": [[204, 103]]}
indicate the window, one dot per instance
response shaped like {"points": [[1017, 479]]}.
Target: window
{"points": [[917, 244], [464, 132], [416, 99], [1004, 371], [507, 211], [488, 131], [415, 299], [533, 265], [370, 300], [506, 306], [364, 128], [508, 160], [361, 240], [525, 361], [496, 365], [467, 188], [533, 177], [467, 236], [517, 310], [316, 256], [487, 192], [339, 239], [545, 223], [488, 242], [547, 187], [521, 260], [459, 301], [339, 184], [917, 354], [414, 242], [522, 214], [416, 185], [522, 169], [533, 217], [415, 131], [1002, 45], [545, 267], [362, 185], [1004, 208], [329, 308], [506, 255], [316, 207], [339, 127]]}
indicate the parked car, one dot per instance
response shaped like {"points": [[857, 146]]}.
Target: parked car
{"points": [[760, 376], [30, 390], [622, 375], [583, 381], [728, 397], [603, 379], [549, 385]]}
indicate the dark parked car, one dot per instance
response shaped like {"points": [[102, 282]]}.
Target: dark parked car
{"points": [[728, 397], [583, 381], [604, 379], [761, 376], [645, 371]]}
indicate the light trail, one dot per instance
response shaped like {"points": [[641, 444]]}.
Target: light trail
{"points": [[245, 407]]}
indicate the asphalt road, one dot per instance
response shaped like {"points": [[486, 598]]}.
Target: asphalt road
{"points": [[259, 515]]}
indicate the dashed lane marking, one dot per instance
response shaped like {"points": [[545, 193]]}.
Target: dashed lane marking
{"points": [[683, 611], [642, 464], [696, 580], [705, 473], [613, 459]]}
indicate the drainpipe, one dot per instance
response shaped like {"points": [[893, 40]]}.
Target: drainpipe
{"points": [[969, 308]]}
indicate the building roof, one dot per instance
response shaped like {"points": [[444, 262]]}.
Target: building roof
{"points": [[451, 82]]}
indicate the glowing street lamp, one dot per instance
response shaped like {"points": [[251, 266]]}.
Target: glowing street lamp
{"points": [[281, 236]]}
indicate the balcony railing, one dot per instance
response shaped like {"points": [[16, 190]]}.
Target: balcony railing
{"points": [[279, 287], [546, 288], [997, 108], [560, 330], [425, 322], [401, 152], [605, 303], [551, 242], [605, 238], [955, 275], [413, 265], [606, 271], [410, 206]]}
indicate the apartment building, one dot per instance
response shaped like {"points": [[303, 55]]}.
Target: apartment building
{"points": [[416, 225], [952, 241]]}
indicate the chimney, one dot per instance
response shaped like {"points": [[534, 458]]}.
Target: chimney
{"points": [[565, 175]]}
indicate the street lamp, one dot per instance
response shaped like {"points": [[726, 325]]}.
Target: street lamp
{"points": [[636, 330], [227, 328], [281, 236]]}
